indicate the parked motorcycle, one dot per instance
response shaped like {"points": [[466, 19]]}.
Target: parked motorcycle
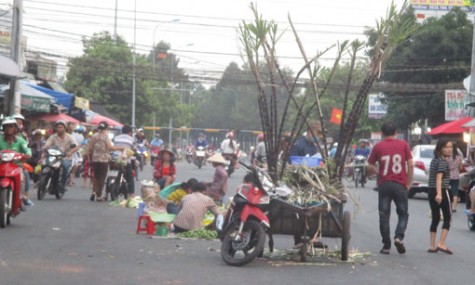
{"points": [[244, 227], [51, 173], [359, 171], [10, 186], [200, 156]]}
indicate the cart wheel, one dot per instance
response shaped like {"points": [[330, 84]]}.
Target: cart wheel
{"points": [[345, 239], [304, 251]]}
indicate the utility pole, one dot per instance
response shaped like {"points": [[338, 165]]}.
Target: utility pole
{"points": [[115, 23], [133, 67], [14, 103]]}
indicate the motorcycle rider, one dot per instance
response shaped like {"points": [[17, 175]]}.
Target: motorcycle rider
{"points": [[229, 148], [64, 142], [126, 141], [155, 145], [12, 141], [363, 148], [20, 122], [76, 133], [260, 152], [200, 141]]}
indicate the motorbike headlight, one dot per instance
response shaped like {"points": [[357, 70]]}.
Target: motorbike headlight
{"points": [[51, 159], [8, 156], [54, 152]]}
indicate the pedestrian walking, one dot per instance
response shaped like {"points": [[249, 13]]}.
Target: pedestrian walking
{"points": [[100, 146], [455, 165], [395, 172], [439, 195]]}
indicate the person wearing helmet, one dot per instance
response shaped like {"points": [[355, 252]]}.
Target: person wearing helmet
{"points": [[11, 141], [155, 146], [64, 142], [20, 121], [76, 158], [201, 141]]}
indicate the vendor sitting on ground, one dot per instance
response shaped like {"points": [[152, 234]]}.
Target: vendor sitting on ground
{"points": [[174, 193], [192, 210], [164, 170]]}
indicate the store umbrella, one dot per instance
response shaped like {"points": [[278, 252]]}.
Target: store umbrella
{"points": [[451, 128], [54, 118]]}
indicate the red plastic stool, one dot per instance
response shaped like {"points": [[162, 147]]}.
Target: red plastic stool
{"points": [[145, 224]]}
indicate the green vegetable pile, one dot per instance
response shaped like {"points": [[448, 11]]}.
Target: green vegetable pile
{"points": [[199, 234]]}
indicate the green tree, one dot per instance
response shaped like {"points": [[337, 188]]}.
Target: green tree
{"points": [[439, 54]]}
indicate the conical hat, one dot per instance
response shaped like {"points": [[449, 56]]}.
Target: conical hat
{"points": [[218, 158]]}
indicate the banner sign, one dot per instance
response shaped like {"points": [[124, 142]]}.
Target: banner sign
{"points": [[81, 103], [442, 5], [455, 104], [377, 109]]}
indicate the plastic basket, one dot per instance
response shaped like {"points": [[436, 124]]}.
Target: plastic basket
{"points": [[307, 161]]}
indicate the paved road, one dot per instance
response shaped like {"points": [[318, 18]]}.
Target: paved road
{"points": [[75, 241]]}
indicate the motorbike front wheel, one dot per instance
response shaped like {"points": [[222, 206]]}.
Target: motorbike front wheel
{"points": [[242, 251], [43, 186], [3, 207]]}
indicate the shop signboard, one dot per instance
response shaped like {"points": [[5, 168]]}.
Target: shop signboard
{"points": [[454, 104]]}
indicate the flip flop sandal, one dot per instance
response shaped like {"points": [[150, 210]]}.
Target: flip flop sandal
{"points": [[430, 250], [401, 249], [446, 250], [385, 251]]}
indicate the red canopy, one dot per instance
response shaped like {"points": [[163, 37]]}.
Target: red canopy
{"points": [[96, 119], [453, 127], [54, 118]]}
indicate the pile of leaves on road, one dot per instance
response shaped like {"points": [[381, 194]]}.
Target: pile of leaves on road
{"points": [[312, 186], [315, 257], [199, 234]]}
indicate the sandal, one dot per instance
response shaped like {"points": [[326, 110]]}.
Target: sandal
{"points": [[401, 249], [446, 250], [385, 250], [93, 196], [430, 250]]}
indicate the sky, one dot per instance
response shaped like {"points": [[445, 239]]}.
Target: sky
{"points": [[204, 33]]}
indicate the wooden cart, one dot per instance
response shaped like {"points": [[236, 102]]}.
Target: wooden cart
{"points": [[289, 219]]}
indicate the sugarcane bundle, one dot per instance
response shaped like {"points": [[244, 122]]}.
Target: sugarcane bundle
{"points": [[312, 185]]}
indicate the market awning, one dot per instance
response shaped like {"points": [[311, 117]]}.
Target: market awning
{"points": [[34, 100], [8, 67], [453, 127], [94, 119], [64, 99], [470, 124], [54, 118]]}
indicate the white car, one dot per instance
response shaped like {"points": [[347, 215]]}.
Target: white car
{"points": [[422, 156]]}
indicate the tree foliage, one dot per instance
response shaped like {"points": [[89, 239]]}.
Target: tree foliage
{"points": [[439, 53]]}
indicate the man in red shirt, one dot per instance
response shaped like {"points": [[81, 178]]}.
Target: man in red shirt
{"points": [[396, 169]]}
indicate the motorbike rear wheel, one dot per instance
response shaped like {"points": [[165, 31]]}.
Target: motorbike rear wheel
{"points": [[3, 207], [42, 186], [238, 253]]}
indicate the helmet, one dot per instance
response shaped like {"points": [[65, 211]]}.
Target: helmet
{"points": [[157, 135], [335, 144], [60, 122], [9, 121], [79, 129], [260, 137], [230, 135], [18, 116], [140, 130]]}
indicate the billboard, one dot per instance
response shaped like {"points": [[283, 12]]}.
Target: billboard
{"points": [[455, 104], [442, 5], [376, 108]]}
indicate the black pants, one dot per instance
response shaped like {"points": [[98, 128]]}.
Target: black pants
{"points": [[435, 208]]}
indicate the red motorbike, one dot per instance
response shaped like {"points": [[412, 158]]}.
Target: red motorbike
{"points": [[245, 224], [10, 186]]}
